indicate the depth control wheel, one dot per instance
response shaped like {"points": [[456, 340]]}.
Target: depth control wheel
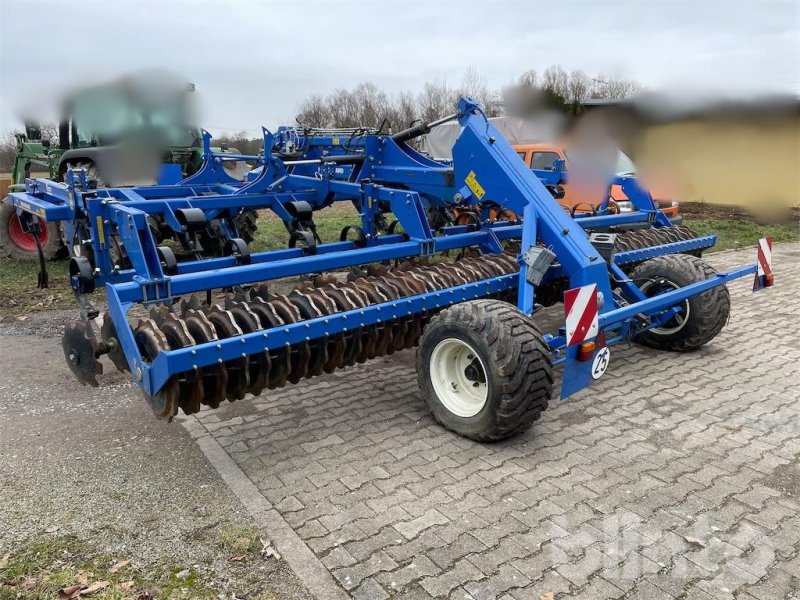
{"points": [[698, 319], [484, 369]]}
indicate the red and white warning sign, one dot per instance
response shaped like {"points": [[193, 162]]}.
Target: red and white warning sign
{"points": [[764, 271], [580, 306]]}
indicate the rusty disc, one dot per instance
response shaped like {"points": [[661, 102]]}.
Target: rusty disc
{"points": [[280, 358], [150, 341], [300, 353], [369, 334], [352, 337], [258, 363], [318, 346], [383, 328], [190, 382], [399, 325], [337, 344], [214, 377], [108, 333], [238, 369]]}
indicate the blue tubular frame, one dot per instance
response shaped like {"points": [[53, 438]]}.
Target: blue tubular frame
{"points": [[386, 175]]}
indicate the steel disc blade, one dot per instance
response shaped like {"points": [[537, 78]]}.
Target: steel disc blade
{"points": [[80, 350], [214, 377]]}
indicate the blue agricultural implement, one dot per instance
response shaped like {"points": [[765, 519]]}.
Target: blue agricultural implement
{"points": [[466, 294]]}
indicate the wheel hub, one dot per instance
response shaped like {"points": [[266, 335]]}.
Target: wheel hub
{"points": [[661, 285], [459, 377], [22, 238]]}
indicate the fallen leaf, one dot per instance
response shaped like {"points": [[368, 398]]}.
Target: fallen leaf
{"points": [[237, 558], [126, 586], [22, 318], [52, 529], [83, 578], [117, 566], [695, 541], [268, 550], [69, 592], [546, 596], [4, 561], [95, 587], [30, 582]]}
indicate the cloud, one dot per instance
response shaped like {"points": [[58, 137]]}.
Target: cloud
{"points": [[253, 61]]}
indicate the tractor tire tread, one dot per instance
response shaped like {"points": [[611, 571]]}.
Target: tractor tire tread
{"points": [[521, 359], [710, 310]]}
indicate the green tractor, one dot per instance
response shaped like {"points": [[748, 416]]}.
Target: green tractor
{"points": [[131, 132]]}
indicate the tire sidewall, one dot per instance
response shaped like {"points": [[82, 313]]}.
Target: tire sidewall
{"points": [[51, 248], [698, 304], [465, 425]]}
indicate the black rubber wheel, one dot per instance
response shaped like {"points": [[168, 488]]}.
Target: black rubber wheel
{"points": [[247, 222], [701, 318], [16, 244], [484, 369]]}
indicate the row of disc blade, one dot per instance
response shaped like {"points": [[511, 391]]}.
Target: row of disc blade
{"points": [[195, 322]]}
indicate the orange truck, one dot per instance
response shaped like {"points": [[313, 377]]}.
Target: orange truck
{"points": [[543, 156]]}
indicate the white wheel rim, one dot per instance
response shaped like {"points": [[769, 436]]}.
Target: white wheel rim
{"points": [[680, 319], [456, 373]]}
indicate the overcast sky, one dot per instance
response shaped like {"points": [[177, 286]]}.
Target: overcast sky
{"points": [[253, 60]]}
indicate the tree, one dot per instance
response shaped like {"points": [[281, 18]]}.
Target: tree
{"points": [[474, 85], [368, 106], [578, 85], [612, 87], [529, 79], [435, 101], [554, 81], [313, 112]]}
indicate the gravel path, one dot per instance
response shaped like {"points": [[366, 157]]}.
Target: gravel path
{"points": [[95, 464]]}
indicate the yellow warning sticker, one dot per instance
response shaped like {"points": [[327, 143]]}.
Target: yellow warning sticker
{"points": [[101, 235], [335, 141], [472, 184]]}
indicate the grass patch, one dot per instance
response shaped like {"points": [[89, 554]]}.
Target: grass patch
{"points": [[272, 234], [738, 233], [18, 291], [44, 566], [240, 541], [19, 295]]}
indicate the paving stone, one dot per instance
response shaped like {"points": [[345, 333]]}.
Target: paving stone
{"points": [[370, 590], [506, 578], [352, 576], [411, 529], [420, 567], [338, 557], [448, 554], [462, 572], [597, 500]]}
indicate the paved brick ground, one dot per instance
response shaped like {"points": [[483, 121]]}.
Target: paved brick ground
{"points": [[674, 476]]}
